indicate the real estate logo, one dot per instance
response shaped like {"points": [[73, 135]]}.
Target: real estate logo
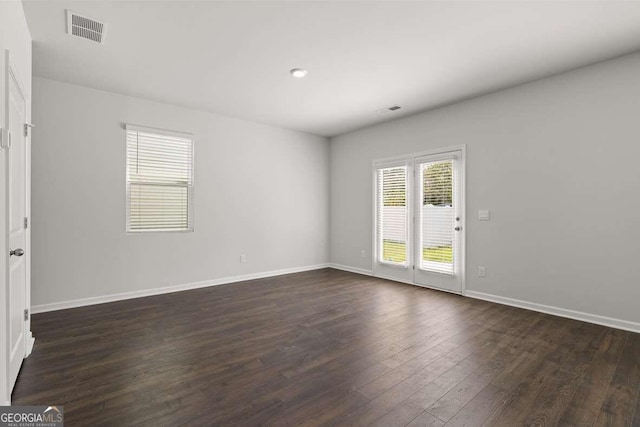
{"points": [[31, 416]]}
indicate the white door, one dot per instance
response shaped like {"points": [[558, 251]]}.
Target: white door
{"points": [[438, 235], [17, 203], [419, 223]]}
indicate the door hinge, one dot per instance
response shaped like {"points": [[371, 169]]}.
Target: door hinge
{"points": [[26, 314], [26, 128], [26, 222]]}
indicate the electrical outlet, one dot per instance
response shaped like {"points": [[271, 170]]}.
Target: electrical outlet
{"points": [[243, 258], [482, 272], [363, 253]]}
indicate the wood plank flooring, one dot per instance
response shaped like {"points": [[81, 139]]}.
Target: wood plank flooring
{"points": [[328, 348]]}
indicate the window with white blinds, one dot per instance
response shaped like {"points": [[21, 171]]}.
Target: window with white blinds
{"points": [[159, 180], [392, 215], [437, 216]]}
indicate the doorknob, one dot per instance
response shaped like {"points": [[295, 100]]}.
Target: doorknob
{"points": [[16, 252]]}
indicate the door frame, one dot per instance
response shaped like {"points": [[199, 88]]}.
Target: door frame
{"points": [[10, 73], [410, 158]]}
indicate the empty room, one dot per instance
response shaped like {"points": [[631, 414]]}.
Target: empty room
{"points": [[319, 213]]}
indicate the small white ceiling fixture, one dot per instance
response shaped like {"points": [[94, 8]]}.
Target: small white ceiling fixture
{"points": [[84, 27], [298, 72]]}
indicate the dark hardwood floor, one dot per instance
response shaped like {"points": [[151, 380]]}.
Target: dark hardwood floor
{"points": [[328, 348]]}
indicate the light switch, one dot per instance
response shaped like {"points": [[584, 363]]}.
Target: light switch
{"points": [[484, 215]]}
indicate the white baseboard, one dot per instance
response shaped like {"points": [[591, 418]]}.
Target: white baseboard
{"points": [[62, 305], [557, 311], [30, 343], [5, 403], [351, 269]]}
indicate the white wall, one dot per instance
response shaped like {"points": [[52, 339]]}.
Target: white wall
{"points": [[556, 162], [259, 190], [14, 35]]}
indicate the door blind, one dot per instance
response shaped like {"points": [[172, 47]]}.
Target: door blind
{"points": [[437, 216], [392, 215], [159, 180]]}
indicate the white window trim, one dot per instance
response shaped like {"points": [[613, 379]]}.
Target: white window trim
{"points": [[384, 164], [158, 131], [165, 132]]}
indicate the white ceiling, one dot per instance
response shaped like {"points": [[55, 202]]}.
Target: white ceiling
{"points": [[233, 58]]}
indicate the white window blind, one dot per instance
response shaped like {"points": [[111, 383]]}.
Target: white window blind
{"points": [[392, 215], [437, 214], [159, 180]]}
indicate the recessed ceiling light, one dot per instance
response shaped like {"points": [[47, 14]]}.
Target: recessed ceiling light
{"points": [[298, 72]]}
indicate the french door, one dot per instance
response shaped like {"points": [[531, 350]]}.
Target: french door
{"points": [[419, 224]]}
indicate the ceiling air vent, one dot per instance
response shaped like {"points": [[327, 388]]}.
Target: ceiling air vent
{"points": [[388, 109], [86, 28]]}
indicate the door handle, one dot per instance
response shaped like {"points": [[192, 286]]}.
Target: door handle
{"points": [[458, 228], [16, 252]]}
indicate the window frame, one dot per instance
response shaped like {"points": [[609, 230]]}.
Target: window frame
{"points": [[377, 249], [419, 264], [190, 188]]}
